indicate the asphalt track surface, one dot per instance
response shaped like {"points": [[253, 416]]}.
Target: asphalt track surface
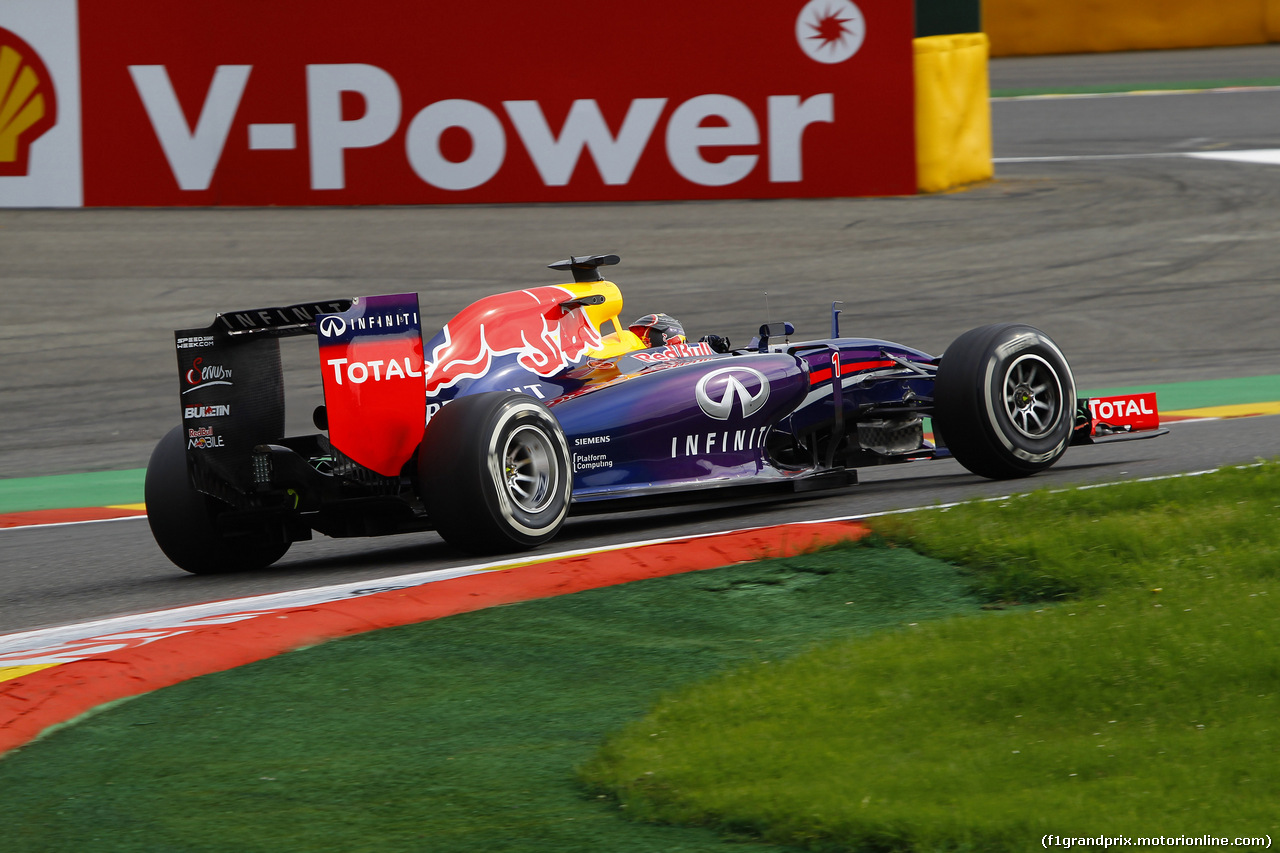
{"points": [[1144, 269]]}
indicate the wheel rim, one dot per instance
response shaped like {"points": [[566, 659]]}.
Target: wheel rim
{"points": [[529, 470], [1032, 396]]}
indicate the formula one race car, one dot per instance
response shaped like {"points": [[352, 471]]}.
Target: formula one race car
{"points": [[536, 403]]}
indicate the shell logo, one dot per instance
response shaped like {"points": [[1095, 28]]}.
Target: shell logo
{"points": [[28, 105]]}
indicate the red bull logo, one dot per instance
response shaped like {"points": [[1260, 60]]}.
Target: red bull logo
{"points": [[28, 105], [528, 323]]}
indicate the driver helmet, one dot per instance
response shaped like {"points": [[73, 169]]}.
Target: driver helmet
{"points": [[658, 329]]}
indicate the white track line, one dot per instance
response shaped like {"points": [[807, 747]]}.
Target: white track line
{"points": [[1069, 158], [1079, 488], [233, 609], [48, 644], [4, 530], [72, 523], [1138, 93], [1258, 156]]}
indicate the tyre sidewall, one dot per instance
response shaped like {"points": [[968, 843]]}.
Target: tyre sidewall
{"points": [[1032, 452], [524, 526], [461, 473], [969, 402]]}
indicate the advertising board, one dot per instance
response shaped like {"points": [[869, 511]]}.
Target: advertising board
{"points": [[392, 102], [39, 104]]}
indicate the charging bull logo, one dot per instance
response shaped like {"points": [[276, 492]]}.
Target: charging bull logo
{"points": [[529, 323], [28, 105]]}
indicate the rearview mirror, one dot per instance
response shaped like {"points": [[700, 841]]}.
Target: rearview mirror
{"points": [[773, 330]]}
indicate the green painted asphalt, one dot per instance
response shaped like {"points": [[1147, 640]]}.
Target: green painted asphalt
{"points": [[1174, 396], [66, 491], [109, 488], [1108, 89]]}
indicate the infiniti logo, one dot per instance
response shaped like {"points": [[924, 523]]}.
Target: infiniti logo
{"points": [[728, 384], [332, 326]]}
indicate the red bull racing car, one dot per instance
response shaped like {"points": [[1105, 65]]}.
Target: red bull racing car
{"points": [[533, 404]]}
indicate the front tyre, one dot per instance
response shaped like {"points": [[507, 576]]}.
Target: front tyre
{"points": [[494, 472], [1005, 400], [184, 521]]}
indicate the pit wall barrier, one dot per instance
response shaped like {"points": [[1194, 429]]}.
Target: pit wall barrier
{"points": [[1028, 27], [953, 111]]}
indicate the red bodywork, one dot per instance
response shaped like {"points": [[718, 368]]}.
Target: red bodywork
{"points": [[371, 361], [1124, 413]]}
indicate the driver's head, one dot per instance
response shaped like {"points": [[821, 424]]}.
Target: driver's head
{"points": [[658, 329]]}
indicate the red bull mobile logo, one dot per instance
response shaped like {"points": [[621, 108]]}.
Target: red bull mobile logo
{"points": [[529, 323], [28, 105]]}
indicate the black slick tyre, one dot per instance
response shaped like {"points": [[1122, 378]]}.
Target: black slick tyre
{"points": [[494, 472], [1004, 400], [184, 521]]}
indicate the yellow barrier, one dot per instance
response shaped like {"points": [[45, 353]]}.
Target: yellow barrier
{"points": [[953, 111], [1023, 27]]}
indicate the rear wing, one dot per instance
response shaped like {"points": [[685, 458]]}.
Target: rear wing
{"points": [[279, 322], [231, 386]]}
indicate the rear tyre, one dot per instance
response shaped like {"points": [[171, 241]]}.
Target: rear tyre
{"points": [[184, 521], [494, 472], [1005, 400]]}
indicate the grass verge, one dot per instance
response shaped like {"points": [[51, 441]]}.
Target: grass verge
{"points": [[1144, 704], [455, 735]]}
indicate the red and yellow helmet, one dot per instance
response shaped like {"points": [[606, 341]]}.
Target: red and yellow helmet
{"points": [[658, 330]]}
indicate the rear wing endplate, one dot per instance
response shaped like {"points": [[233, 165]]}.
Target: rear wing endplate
{"points": [[231, 385]]}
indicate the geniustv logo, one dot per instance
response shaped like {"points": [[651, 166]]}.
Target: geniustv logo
{"points": [[28, 105], [830, 31]]}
